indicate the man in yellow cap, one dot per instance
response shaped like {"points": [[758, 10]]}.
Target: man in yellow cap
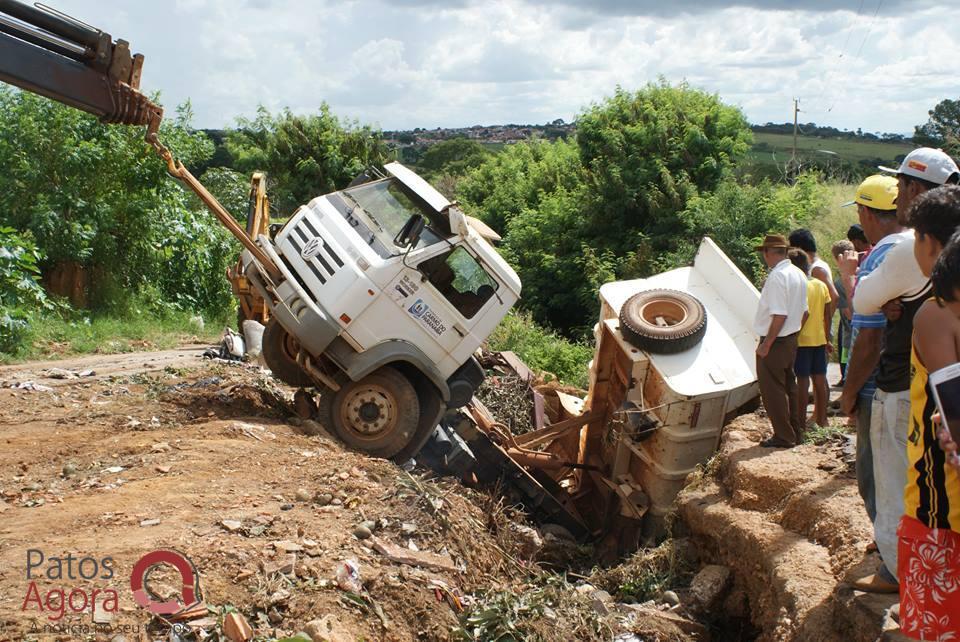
{"points": [[876, 201], [783, 305]]}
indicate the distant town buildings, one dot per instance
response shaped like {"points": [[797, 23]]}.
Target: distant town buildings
{"points": [[505, 134]]}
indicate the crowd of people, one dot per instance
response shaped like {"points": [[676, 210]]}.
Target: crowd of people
{"points": [[898, 294]]}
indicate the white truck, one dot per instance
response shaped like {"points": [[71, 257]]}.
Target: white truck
{"points": [[386, 290], [379, 293]]}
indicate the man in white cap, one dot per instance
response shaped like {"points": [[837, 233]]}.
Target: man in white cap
{"points": [[898, 288]]}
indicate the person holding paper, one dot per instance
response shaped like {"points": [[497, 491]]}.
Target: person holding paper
{"points": [[928, 550]]}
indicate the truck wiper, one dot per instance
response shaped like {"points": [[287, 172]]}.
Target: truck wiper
{"points": [[357, 206]]}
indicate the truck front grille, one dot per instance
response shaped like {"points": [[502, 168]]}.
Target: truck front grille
{"points": [[322, 263]]}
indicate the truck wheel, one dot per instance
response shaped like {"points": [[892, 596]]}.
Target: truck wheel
{"points": [[280, 351], [663, 321], [378, 415]]}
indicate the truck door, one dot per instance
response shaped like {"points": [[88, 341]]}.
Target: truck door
{"points": [[445, 296]]}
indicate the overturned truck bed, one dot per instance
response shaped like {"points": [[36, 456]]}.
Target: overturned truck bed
{"points": [[612, 468]]}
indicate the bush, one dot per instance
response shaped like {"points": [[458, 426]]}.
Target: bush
{"points": [[543, 350], [737, 216], [20, 293]]}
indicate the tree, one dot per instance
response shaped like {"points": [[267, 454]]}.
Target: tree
{"points": [[101, 208], [646, 154], [942, 129], [304, 156], [578, 214], [454, 156], [518, 179]]}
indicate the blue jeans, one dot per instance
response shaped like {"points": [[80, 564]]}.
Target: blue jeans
{"points": [[865, 481]]}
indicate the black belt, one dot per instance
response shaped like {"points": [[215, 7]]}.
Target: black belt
{"points": [[786, 336]]}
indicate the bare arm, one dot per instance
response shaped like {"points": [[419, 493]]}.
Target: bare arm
{"points": [[827, 326], [820, 274], [935, 336], [898, 275], [848, 264], [864, 357]]}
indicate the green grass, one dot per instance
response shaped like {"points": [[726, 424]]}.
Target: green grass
{"points": [[769, 148], [542, 350], [57, 336], [836, 426], [832, 227]]}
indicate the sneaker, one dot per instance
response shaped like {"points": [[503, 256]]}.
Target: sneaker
{"points": [[773, 442]]}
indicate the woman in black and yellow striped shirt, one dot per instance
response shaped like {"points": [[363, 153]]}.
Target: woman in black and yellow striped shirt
{"points": [[928, 552]]}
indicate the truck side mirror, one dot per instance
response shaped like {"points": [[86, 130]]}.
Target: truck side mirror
{"points": [[409, 234]]}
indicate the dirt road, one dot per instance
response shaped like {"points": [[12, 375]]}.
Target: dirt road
{"points": [[162, 450], [102, 366]]}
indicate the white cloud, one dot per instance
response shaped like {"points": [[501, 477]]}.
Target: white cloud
{"points": [[433, 63]]}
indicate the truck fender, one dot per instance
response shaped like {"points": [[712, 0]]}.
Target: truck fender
{"points": [[357, 365]]}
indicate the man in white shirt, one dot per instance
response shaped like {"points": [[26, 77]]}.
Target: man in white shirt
{"points": [[783, 305]]}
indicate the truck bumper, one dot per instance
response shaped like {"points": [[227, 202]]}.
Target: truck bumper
{"points": [[291, 305]]}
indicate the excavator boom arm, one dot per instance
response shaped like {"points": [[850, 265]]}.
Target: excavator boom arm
{"points": [[56, 56], [49, 53]]}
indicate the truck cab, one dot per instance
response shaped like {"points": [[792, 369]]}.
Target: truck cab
{"points": [[382, 278]]}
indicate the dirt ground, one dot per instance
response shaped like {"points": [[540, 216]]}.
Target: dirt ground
{"points": [[162, 450], [105, 459]]}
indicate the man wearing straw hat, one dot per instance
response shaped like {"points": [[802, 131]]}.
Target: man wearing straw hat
{"points": [[783, 306]]}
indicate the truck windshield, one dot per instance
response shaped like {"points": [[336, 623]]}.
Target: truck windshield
{"points": [[388, 207]]}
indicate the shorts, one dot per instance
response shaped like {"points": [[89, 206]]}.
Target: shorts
{"points": [[810, 361], [928, 566]]}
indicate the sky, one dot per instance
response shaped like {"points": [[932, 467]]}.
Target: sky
{"points": [[879, 65]]}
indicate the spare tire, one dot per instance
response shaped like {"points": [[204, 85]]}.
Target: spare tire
{"points": [[663, 321]]}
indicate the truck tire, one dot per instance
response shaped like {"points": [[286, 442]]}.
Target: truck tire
{"points": [[280, 352], [378, 415], [663, 321]]}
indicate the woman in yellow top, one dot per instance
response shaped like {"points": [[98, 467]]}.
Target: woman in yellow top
{"points": [[813, 345], [928, 560]]}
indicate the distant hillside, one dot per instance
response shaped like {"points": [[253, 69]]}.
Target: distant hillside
{"points": [[842, 157], [842, 154]]}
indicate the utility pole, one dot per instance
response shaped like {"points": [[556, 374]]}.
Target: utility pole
{"points": [[796, 110]]}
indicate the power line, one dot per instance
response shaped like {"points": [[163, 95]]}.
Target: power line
{"points": [[869, 28], [866, 35], [843, 53]]}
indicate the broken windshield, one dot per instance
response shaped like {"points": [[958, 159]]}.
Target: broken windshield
{"points": [[388, 207]]}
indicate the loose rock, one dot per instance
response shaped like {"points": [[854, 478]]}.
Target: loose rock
{"points": [[362, 532], [671, 598], [303, 495], [709, 586], [236, 628], [327, 629], [232, 525]]}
